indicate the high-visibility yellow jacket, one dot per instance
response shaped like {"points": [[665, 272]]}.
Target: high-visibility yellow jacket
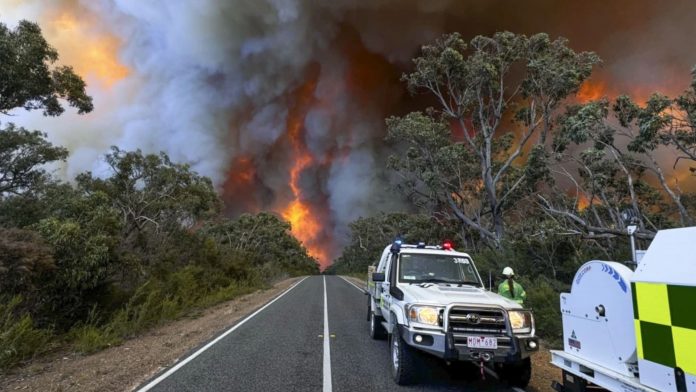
{"points": [[518, 294]]}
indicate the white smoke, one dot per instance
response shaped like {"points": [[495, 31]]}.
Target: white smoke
{"points": [[211, 80]]}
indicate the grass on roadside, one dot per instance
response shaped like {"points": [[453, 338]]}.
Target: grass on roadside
{"points": [[357, 275], [155, 302], [19, 338]]}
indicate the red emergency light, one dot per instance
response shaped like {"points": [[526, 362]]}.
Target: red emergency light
{"points": [[447, 245]]}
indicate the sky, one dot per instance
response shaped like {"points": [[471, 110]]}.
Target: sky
{"points": [[282, 102]]}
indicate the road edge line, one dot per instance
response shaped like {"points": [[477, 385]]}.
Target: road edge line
{"points": [[352, 284], [188, 359], [327, 345]]}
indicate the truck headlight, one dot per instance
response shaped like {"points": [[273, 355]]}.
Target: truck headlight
{"points": [[521, 321], [428, 315]]}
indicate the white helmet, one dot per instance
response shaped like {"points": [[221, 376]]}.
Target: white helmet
{"points": [[507, 271]]}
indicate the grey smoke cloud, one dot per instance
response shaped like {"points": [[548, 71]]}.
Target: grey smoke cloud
{"points": [[212, 80]]}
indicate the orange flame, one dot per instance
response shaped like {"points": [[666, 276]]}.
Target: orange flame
{"points": [[239, 185], [583, 202], [303, 220], [245, 171], [591, 90], [594, 89], [91, 52]]}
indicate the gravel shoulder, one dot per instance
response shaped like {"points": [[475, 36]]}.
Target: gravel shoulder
{"points": [[124, 367]]}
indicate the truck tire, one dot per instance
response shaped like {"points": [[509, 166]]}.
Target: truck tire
{"points": [[404, 360], [517, 374], [377, 331]]}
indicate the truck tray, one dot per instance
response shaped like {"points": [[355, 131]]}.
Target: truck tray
{"points": [[595, 374]]}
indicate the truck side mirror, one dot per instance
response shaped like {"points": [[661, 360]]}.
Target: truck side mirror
{"points": [[378, 277]]}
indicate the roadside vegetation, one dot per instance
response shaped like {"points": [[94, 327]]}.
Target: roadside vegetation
{"points": [[93, 261], [516, 170]]}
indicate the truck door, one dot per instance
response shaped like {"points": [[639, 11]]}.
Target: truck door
{"points": [[385, 296]]}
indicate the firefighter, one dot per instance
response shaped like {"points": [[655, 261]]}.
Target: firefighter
{"points": [[510, 288]]}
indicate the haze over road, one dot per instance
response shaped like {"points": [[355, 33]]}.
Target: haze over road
{"points": [[283, 347]]}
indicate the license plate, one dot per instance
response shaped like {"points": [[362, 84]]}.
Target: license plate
{"points": [[481, 342]]}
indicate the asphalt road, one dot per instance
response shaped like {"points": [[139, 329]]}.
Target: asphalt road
{"points": [[283, 347]]}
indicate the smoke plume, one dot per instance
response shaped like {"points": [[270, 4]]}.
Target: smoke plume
{"points": [[282, 102]]}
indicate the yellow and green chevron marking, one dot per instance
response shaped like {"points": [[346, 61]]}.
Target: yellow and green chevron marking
{"points": [[665, 323]]}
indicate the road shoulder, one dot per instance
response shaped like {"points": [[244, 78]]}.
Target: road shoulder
{"points": [[126, 366]]}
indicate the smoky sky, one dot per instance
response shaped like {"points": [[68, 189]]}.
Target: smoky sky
{"points": [[217, 83]]}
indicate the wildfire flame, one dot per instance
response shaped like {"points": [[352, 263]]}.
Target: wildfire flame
{"points": [[306, 227], [583, 202], [241, 179], [591, 90], [371, 80], [92, 53], [594, 89]]}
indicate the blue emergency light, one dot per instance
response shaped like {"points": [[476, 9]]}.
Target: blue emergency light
{"points": [[396, 246]]}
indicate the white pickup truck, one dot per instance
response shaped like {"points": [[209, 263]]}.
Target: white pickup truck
{"points": [[431, 299]]}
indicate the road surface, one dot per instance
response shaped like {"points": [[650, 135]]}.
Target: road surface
{"points": [[283, 346]]}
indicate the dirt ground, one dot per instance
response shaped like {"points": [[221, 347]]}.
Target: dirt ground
{"points": [[543, 373], [126, 366]]}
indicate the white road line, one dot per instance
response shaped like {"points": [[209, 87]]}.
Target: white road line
{"points": [[327, 342], [353, 284], [207, 346]]}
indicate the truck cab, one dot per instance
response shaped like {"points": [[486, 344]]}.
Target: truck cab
{"points": [[431, 300]]}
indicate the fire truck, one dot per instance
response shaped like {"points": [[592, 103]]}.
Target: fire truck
{"points": [[633, 330], [430, 300]]}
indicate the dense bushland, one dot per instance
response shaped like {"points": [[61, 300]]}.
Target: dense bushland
{"points": [[95, 261]]}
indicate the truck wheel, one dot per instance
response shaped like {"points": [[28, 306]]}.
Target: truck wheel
{"points": [[517, 374], [404, 366], [377, 331]]}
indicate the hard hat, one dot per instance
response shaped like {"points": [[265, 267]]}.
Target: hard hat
{"points": [[507, 271]]}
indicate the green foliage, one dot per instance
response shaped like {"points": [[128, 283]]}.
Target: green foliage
{"points": [[152, 193], [158, 300], [22, 156], [24, 258], [83, 255], [107, 258], [87, 336], [554, 70], [88, 339], [544, 299], [618, 166], [19, 339], [266, 240], [506, 76], [83, 236], [27, 79]]}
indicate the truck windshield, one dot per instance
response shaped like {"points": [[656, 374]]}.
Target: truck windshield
{"points": [[433, 268]]}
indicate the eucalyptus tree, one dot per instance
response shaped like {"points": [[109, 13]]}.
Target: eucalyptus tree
{"points": [[481, 147], [616, 147], [28, 77]]}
